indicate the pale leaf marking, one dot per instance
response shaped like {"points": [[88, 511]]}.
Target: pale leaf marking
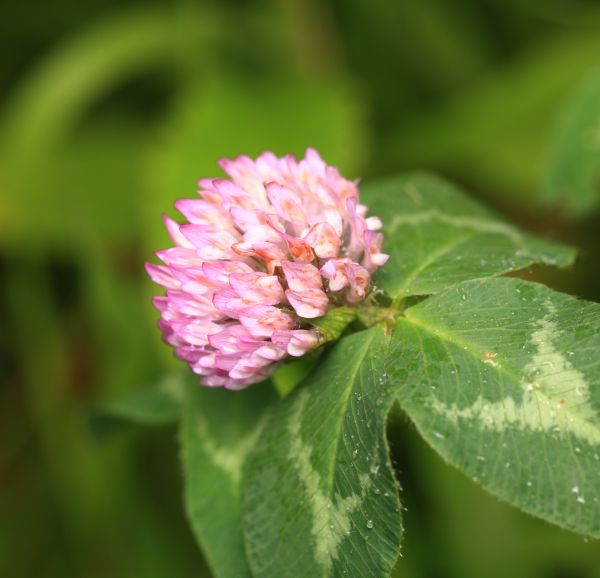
{"points": [[556, 395], [330, 516], [477, 224], [229, 459]]}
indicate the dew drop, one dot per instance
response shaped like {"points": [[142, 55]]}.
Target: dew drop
{"points": [[370, 524]]}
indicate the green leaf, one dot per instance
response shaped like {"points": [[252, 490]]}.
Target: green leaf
{"points": [[573, 173], [293, 371], [218, 429], [436, 236], [319, 493], [148, 406], [502, 378]]}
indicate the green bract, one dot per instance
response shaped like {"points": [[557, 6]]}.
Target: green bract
{"points": [[499, 375]]}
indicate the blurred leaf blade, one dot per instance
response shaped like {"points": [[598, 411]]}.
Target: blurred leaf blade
{"points": [[501, 377], [157, 405], [573, 170], [495, 135], [320, 497], [52, 98], [42, 123], [436, 236]]}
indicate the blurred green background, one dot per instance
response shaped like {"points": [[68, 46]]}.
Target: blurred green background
{"points": [[109, 112]]}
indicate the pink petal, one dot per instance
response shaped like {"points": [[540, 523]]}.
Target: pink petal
{"points": [[262, 320], [359, 282], [180, 257], [296, 342], [228, 341], [313, 162], [245, 219], [301, 276], [248, 366], [262, 234], [160, 302], [192, 280], [192, 305], [335, 271], [173, 228], [357, 231], [201, 212], [270, 253], [216, 380], [228, 302], [372, 254], [257, 287], [309, 303], [227, 362], [286, 204], [373, 223], [162, 275], [218, 272], [242, 382], [210, 245], [299, 249], [324, 240], [233, 195], [270, 351], [190, 353], [196, 331]]}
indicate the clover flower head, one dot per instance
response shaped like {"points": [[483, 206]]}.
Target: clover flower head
{"points": [[261, 253]]}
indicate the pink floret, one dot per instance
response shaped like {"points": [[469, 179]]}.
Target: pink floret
{"points": [[261, 254]]}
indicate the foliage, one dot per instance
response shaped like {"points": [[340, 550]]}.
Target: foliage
{"points": [[499, 375], [109, 114]]}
